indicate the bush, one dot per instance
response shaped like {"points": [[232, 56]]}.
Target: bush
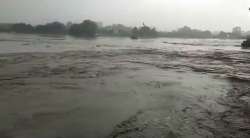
{"points": [[246, 43]]}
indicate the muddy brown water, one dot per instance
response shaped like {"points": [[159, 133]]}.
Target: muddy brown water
{"points": [[62, 87]]}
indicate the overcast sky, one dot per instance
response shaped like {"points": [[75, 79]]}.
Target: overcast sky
{"points": [[163, 14]]}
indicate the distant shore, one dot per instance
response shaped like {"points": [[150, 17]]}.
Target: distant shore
{"points": [[90, 28]]}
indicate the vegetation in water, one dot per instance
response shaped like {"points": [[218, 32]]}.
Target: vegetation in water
{"points": [[246, 43]]}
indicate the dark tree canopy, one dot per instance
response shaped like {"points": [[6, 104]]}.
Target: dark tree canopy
{"points": [[246, 44], [51, 28], [90, 28], [87, 28], [144, 31], [22, 28]]}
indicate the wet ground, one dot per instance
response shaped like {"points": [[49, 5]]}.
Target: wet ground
{"points": [[120, 88]]}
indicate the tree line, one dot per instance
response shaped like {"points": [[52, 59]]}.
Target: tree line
{"points": [[89, 28], [187, 32]]}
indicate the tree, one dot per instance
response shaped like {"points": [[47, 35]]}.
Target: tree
{"points": [[237, 30], [51, 28], [87, 28], [144, 31], [22, 28], [246, 43], [4, 27], [135, 31], [223, 35]]}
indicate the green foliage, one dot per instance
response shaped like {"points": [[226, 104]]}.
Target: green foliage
{"points": [[22, 28], [87, 28], [51, 28], [144, 31], [4, 27], [135, 31], [90, 28]]}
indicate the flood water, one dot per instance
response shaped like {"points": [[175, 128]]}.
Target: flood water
{"points": [[13, 43], [65, 87]]}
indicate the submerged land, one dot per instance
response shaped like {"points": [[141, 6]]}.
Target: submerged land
{"points": [[120, 88]]}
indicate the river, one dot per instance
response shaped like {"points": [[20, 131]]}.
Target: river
{"points": [[112, 87]]}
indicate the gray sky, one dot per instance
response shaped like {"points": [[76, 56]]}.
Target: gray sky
{"points": [[163, 14]]}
